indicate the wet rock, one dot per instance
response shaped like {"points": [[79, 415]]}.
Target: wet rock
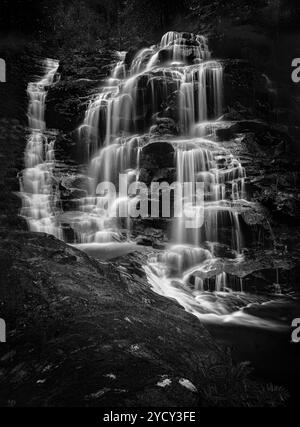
{"points": [[146, 176], [255, 216], [157, 163], [61, 301], [232, 115], [227, 132], [66, 103], [73, 193], [241, 80], [165, 175], [78, 181], [81, 74], [282, 204], [158, 148], [164, 126], [12, 145], [143, 241]]}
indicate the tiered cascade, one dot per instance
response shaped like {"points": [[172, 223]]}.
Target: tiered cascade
{"points": [[116, 131], [38, 190], [126, 106]]}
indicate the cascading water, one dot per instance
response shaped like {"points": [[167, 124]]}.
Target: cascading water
{"points": [[201, 87], [38, 190], [125, 105], [118, 125], [180, 64], [131, 98]]}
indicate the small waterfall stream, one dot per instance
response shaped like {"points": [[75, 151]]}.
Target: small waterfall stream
{"points": [[114, 133], [37, 185]]}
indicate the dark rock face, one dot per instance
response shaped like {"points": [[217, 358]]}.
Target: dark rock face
{"points": [[74, 323], [164, 126], [83, 332], [66, 103], [245, 89], [157, 162], [81, 74], [12, 143], [276, 184], [22, 66]]}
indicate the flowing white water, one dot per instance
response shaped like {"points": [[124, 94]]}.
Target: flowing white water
{"points": [[199, 160], [125, 107], [187, 271], [180, 64], [129, 99], [198, 83], [37, 184], [113, 134]]}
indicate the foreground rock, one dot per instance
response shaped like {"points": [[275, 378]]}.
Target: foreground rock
{"points": [[90, 333]]}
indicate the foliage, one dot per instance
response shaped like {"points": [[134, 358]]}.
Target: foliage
{"points": [[76, 26], [88, 24], [228, 384]]}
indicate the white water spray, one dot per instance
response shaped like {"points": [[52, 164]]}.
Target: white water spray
{"points": [[38, 188]]}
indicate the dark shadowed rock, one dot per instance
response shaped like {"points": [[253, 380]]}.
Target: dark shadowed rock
{"points": [[74, 323], [81, 75], [164, 126]]}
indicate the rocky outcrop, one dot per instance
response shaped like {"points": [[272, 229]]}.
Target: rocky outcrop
{"points": [[12, 143], [246, 90], [81, 74], [83, 332], [163, 127]]}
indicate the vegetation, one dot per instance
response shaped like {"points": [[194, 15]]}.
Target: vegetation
{"points": [[229, 384], [90, 24]]}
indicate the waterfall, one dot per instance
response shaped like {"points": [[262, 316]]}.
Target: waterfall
{"points": [[117, 127], [125, 107], [119, 70], [200, 83], [37, 184], [223, 178], [129, 99], [183, 45]]}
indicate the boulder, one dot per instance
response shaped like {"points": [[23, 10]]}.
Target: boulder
{"points": [[164, 126], [68, 344]]}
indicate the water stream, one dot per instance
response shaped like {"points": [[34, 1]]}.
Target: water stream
{"points": [[38, 190], [193, 269]]}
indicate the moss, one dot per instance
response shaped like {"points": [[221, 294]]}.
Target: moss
{"points": [[227, 384]]}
